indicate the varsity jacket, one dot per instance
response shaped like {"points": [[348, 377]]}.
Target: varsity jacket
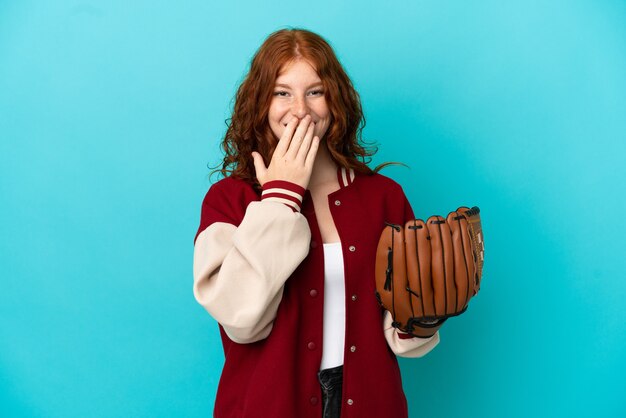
{"points": [[259, 272]]}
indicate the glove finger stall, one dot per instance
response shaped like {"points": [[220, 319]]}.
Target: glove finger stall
{"points": [[391, 279], [401, 309], [418, 268], [463, 259], [442, 265]]}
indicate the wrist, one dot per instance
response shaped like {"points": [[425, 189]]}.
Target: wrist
{"points": [[283, 191]]}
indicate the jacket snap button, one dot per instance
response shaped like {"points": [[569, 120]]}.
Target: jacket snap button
{"points": [[313, 293], [337, 202], [313, 244], [353, 297], [353, 348], [350, 401], [352, 248], [311, 345], [313, 400]]}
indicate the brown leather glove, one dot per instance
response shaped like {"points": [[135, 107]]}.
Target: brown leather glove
{"points": [[428, 271]]}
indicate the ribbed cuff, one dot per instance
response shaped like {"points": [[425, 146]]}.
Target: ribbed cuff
{"points": [[291, 194]]}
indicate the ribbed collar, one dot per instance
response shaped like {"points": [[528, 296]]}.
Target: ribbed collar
{"points": [[345, 177]]}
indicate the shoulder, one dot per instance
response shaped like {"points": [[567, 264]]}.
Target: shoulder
{"points": [[379, 182], [230, 196], [231, 187], [387, 193], [226, 201]]}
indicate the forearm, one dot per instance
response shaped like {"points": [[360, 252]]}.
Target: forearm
{"points": [[240, 271]]}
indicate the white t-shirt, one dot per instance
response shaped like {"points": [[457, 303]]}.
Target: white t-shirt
{"points": [[334, 306]]}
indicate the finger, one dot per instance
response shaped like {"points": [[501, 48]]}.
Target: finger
{"points": [[285, 138], [306, 144], [294, 145], [310, 158], [259, 165]]}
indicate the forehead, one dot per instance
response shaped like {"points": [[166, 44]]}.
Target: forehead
{"points": [[296, 72]]}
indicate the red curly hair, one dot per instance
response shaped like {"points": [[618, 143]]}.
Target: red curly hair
{"points": [[249, 128]]}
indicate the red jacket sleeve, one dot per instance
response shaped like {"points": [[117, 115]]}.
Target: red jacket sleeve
{"points": [[240, 267]]}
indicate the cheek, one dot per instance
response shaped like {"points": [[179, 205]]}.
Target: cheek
{"points": [[274, 113], [322, 128], [277, 129], [275, 123], [271, 117]]}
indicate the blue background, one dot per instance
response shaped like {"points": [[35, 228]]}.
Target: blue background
{"points": [[110, 112]]}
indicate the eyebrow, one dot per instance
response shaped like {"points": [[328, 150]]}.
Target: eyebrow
{"points": [[319, 83]]}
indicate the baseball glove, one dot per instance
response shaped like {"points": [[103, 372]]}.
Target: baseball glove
{"points": [[428, 271]]}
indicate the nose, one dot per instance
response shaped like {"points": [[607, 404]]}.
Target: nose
{"points": [[300, 108]]}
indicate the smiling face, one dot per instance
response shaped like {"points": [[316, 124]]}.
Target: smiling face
{"points": [[298, 91]]}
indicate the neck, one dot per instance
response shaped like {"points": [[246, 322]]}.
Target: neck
{"points": [[324, 168]]}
